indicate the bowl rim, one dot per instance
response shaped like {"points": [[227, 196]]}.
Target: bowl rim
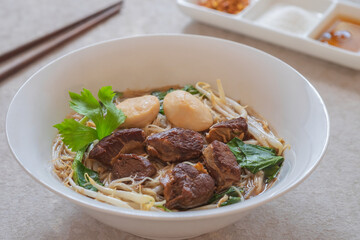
{"points": [[174, 216]]}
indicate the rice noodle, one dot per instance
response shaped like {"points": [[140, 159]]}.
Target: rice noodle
{"points": [[160, 124], [145, 201], [232, 109], [147, 194], [99, 196]]}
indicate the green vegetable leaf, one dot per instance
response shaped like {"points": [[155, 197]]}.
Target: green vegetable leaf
{"points": [[231, 192], [117, 95], [114, 116], [161, 95], [80, 170], [163, 208], [256, 158], [161, 109], [86, 104], [75, 135], [271, 172], [231, 200], [191, 89], [104, 114]]}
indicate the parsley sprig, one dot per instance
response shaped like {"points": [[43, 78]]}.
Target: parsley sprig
{"points": [[104, 114]]}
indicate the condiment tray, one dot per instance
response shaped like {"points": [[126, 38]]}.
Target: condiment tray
{"points": [[290, 23]]}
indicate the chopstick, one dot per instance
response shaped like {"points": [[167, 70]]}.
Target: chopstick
{"points": [[57, 38]]}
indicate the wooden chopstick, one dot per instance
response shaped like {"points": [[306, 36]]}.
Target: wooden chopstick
{"points": [[56, 38]]}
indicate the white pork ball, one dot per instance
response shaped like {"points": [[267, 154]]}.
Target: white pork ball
{"points": [[139, 111], [186, 111]]}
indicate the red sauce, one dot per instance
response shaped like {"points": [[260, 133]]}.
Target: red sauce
{"points": [[343, 33], [229, 6]]}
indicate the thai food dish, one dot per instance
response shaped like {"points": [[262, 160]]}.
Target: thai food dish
{"points": [[174, 148]]}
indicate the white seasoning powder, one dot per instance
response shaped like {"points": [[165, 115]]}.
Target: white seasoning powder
{"points": [[289, 18]]}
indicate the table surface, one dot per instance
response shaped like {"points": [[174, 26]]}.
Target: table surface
{"points": [[325, 206]]}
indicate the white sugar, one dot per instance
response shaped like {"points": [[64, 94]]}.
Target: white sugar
{"points": [[289, 18]]}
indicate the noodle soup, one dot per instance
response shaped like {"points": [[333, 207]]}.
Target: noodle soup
{"points": [[169, 149]]}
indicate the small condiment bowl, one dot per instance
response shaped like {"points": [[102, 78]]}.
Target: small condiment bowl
{"points": [[274, 89]]}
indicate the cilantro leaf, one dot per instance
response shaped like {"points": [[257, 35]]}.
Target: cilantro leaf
{"points": [[86, 104], [114, 116], [75, 135], [256, 158], [104, 114]]}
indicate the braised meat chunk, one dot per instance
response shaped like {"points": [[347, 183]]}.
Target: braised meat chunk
{"points": [[122, 141], [132, 165], [176, 144], [221, 164], [227, 130], [186, 187]]}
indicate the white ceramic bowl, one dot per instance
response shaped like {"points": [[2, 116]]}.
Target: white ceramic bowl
{"points": [[274, 89]]}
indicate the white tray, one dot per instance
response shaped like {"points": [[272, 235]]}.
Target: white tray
{"points": [[247, 22]]}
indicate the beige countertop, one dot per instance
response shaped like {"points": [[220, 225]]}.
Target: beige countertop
{"points": [[325, 206]]}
